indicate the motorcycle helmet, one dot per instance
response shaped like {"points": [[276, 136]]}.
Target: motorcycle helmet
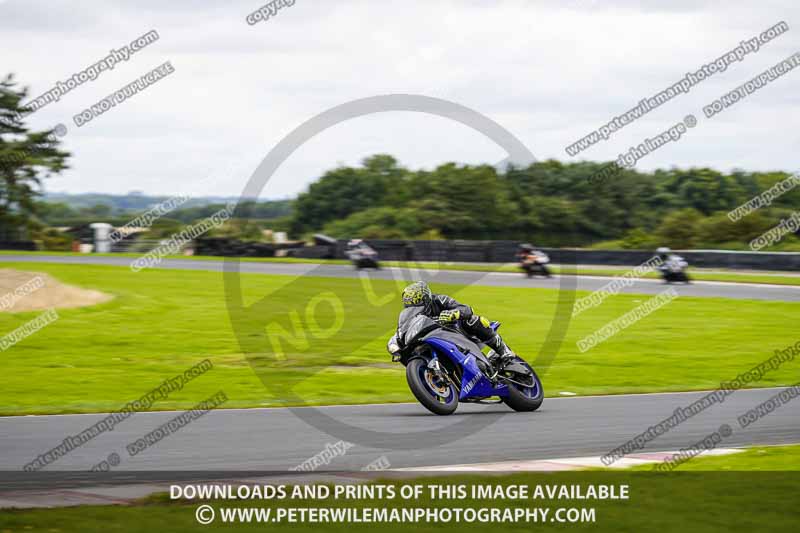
{"points": [[663, 252], [416, 294]]}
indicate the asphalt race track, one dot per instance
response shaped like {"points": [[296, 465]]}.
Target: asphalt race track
{"points": [[278, 439], [589, 283]]}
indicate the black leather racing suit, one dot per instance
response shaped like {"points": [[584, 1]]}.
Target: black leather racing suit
{"points": [[471, 323]]}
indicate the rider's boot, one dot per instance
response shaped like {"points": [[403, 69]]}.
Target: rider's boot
{"points": [[502, 353]]}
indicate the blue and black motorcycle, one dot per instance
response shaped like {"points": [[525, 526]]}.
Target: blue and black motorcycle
{"points": [[445, 366]]}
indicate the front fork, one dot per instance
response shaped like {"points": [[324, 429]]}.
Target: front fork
{"points": [[440, 373], [436, 368]]}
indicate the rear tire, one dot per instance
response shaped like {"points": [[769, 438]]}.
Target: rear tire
{"points": [[528, 399], [418, 376]]}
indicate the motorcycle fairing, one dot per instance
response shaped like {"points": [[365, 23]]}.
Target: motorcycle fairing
{"points": [[473, 382]]}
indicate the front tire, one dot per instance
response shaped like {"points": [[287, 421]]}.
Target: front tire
{"points": [[438, 398], [525, 399]]}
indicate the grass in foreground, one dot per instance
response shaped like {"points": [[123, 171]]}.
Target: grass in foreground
{"points": [[161, 322], [757, 458], [696, 502]]}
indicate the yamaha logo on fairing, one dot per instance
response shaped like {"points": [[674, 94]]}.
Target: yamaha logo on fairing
{"points": [[472, 383]]}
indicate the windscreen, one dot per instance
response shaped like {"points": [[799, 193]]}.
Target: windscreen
{"points": [[412, 324]]}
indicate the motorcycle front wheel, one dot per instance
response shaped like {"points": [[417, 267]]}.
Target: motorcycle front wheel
{"points": [[436, 396], [525, 399]]}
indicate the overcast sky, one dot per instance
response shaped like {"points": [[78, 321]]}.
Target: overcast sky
{"points": [[550, 72]]}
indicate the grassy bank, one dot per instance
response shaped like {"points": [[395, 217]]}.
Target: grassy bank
{"points": [[696, 502], [757, 458], [161, 322]]}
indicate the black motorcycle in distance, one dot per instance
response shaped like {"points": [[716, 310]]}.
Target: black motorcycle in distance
{"points": [[533, 262], [673, 270], [362, 255]]}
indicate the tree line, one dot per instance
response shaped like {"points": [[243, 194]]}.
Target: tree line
{"points": [[550, 203]]}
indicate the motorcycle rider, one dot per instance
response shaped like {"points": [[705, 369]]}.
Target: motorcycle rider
{"points": [[523, 251], [532, 261], [671, 262], [447, 310], [361, 254], [357, 244]]}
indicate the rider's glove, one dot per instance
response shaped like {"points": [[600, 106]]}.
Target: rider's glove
{"points": [[446, 317]]}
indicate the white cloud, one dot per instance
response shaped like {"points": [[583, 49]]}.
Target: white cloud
{"points": [[548, 71]]}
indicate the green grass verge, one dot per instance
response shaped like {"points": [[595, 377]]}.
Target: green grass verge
{"points": [[695, 502], [161, 322], [757, 458]]}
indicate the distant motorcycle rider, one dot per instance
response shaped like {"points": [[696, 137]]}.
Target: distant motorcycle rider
{"points": [[532, 261], [672, 267], [666, 256], [361, 254], [447, 310]]}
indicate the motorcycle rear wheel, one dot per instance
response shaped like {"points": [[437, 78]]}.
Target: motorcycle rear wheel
{"points": [[439, 399]]}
